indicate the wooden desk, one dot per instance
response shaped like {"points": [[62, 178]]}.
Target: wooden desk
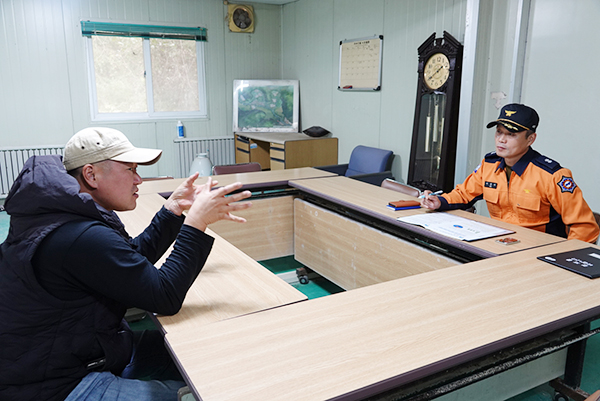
{"points": [[336, 243], [371, 201], [259, 179], [381, 303], [359, 343], [269, 232], [345, 232], [269, 229], [230, 284], [277, 151], [352, 254]]}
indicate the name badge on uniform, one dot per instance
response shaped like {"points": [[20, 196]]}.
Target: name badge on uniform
{"points": [[491, 185]]}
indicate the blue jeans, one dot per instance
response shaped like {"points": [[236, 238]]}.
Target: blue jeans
{"points": [[151, 375]]}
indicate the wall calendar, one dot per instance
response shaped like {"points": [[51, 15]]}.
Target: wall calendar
{"points": [[360, 64]]}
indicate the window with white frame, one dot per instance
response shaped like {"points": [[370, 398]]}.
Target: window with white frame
{"points": [[145, 71]]}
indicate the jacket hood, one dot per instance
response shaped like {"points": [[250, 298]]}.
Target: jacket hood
{"points": [[42, 190]]}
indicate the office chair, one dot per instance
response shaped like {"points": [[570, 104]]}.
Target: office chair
{"points": [[236, 168], [367, 164]]}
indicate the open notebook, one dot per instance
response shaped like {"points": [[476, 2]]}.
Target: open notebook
{"points": [[454, 226]]}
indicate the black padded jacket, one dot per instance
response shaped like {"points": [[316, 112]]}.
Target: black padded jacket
{"points": [[69, 271]]}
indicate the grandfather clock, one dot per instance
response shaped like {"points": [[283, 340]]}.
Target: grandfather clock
{"points": [[433, 147]]}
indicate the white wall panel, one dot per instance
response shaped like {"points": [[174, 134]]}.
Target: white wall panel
{"points": [[32, 56], [253, 55], [43, 68], [500, 54], [356, 115], [560, 82], [44, 88], [407, 25], [307, 55], [311, 35]]}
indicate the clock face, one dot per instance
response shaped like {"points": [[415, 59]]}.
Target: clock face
{"points": [[241, 18], [436, 71]]}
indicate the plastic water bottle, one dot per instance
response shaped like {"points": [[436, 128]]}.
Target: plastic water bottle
{"points": [[180, 133]]}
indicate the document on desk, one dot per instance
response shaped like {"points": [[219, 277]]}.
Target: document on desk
{"points": [[454, 226]]}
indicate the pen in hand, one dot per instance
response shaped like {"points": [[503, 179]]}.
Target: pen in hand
{"points": [[433, 193]]}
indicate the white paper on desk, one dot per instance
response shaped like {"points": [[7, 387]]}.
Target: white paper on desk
{"points": [[454, 226]]}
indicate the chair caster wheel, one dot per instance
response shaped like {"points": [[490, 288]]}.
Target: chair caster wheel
{"points": [[560, 397], [302, 275]]}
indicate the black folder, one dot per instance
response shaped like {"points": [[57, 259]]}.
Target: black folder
{"points": [[585, 261]]}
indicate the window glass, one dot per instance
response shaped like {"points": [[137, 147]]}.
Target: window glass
{"points": [[119, 74], [174, 75], [133, 78]]}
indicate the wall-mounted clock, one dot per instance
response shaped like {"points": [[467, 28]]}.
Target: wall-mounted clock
{"points": [[433, 147], [241, 18]]}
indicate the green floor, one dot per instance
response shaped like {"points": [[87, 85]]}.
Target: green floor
{"points": [[319, 287]]}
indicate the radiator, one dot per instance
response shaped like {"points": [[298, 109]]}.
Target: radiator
{"points": [[220, 151], [13, 159]]}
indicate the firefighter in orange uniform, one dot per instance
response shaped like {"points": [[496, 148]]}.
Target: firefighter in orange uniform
{"points": [[520, 185]]}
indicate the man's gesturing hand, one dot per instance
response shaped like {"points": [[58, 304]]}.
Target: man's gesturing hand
{"points": [[182, 198], [210, 206]]}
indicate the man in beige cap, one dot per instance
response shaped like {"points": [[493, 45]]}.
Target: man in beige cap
{"points": [[107, 152], [70, 270]]}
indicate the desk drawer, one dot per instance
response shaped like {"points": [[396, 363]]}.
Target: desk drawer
{"points": [[277, 152], [242, 143], [277, 164], [242, 156]]}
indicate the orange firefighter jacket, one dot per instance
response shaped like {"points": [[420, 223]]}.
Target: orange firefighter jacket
{"points": [[540, 195]]}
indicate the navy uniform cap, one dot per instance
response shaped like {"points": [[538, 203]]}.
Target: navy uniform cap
{"points": [[517, 117]]}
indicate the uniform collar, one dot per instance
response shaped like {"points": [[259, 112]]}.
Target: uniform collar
{"points": [[522, 164]]}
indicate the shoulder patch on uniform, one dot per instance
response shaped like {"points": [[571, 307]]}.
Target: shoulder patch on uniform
{"points": [[567, 184], [547, 164], [492, 157]]}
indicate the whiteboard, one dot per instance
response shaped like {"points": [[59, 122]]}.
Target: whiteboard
{"points": [[360, 63]]}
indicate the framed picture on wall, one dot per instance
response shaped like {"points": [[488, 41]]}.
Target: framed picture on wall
{"points": [[265, 105]]}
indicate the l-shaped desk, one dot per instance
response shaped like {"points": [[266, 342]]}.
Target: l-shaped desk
{"points": [[417, 304]]}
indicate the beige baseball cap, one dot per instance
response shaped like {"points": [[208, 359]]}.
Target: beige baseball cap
{"points": [[96, 144]]}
